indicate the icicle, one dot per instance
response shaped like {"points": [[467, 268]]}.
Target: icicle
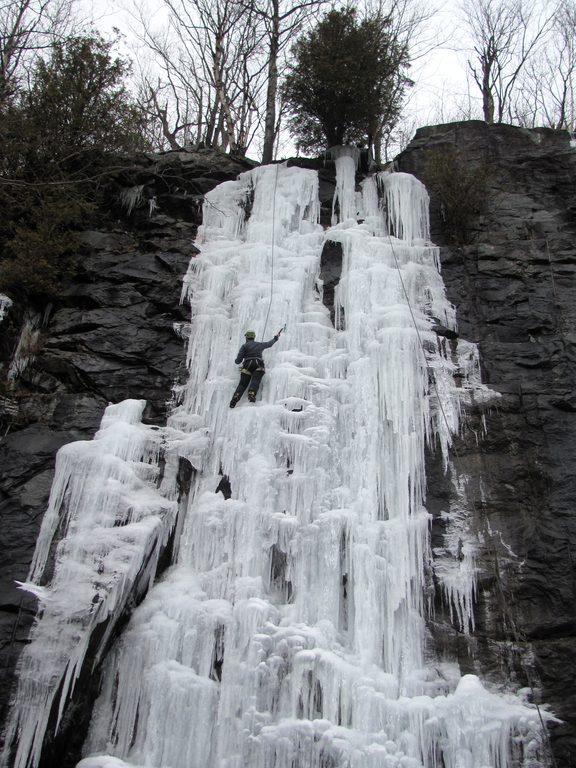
{"points": [[345, 195], [131, 197], [113, 523], [406, 207], [455, 562]]}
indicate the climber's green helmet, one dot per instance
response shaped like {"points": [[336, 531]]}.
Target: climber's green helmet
{"points": [[250, 335]]}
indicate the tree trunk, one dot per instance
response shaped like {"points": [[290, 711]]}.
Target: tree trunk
{"points": [[162, 114], [562, 122], [211, 126], [222, 95], [487, 97], [272, 89], [200, 110]]}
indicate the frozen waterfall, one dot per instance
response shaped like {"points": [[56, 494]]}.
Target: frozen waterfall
{"points": [[290, 631]]}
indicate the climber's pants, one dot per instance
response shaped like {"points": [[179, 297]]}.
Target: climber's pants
{"points": [[250, 378]]}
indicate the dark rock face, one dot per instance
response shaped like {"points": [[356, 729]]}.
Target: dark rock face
{"points": [[513, 287], [330, 272], [112, 335]]}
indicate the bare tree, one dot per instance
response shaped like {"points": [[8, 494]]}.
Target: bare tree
{"points": [[409, 24], [408, 28], [282, 20], [168, 112], [172, 92], [211, 73], [505, 34], [546, 95], [27, 27]]}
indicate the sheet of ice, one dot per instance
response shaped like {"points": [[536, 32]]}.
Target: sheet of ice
{"points": [[291, 631], [106, 522], [406, 206], [455, 560], [291, 628]]}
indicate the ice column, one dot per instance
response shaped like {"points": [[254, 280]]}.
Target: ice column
{"points": [[345, 203], [110, 521], [406, 206]]}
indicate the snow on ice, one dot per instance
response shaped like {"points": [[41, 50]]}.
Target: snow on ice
{"points": [[291, 629]]}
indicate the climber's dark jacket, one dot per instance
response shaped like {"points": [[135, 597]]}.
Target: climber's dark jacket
{"points": [[252, 372], [252, 350]]}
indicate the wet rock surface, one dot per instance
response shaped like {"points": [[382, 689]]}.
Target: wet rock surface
{"points": [[513, 287], [330, 272]]}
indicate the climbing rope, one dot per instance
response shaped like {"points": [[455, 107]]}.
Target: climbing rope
{"points": [[507, 612], [272, 254]]}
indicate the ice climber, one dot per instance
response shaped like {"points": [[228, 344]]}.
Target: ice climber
{"points": [[250, 356]]}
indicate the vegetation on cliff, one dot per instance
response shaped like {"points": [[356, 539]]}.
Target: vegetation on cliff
{"points": [[54, 140], [347, 81], [461, 188]]}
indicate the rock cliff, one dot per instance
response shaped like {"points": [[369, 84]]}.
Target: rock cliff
{"points": [[513, 287]]}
